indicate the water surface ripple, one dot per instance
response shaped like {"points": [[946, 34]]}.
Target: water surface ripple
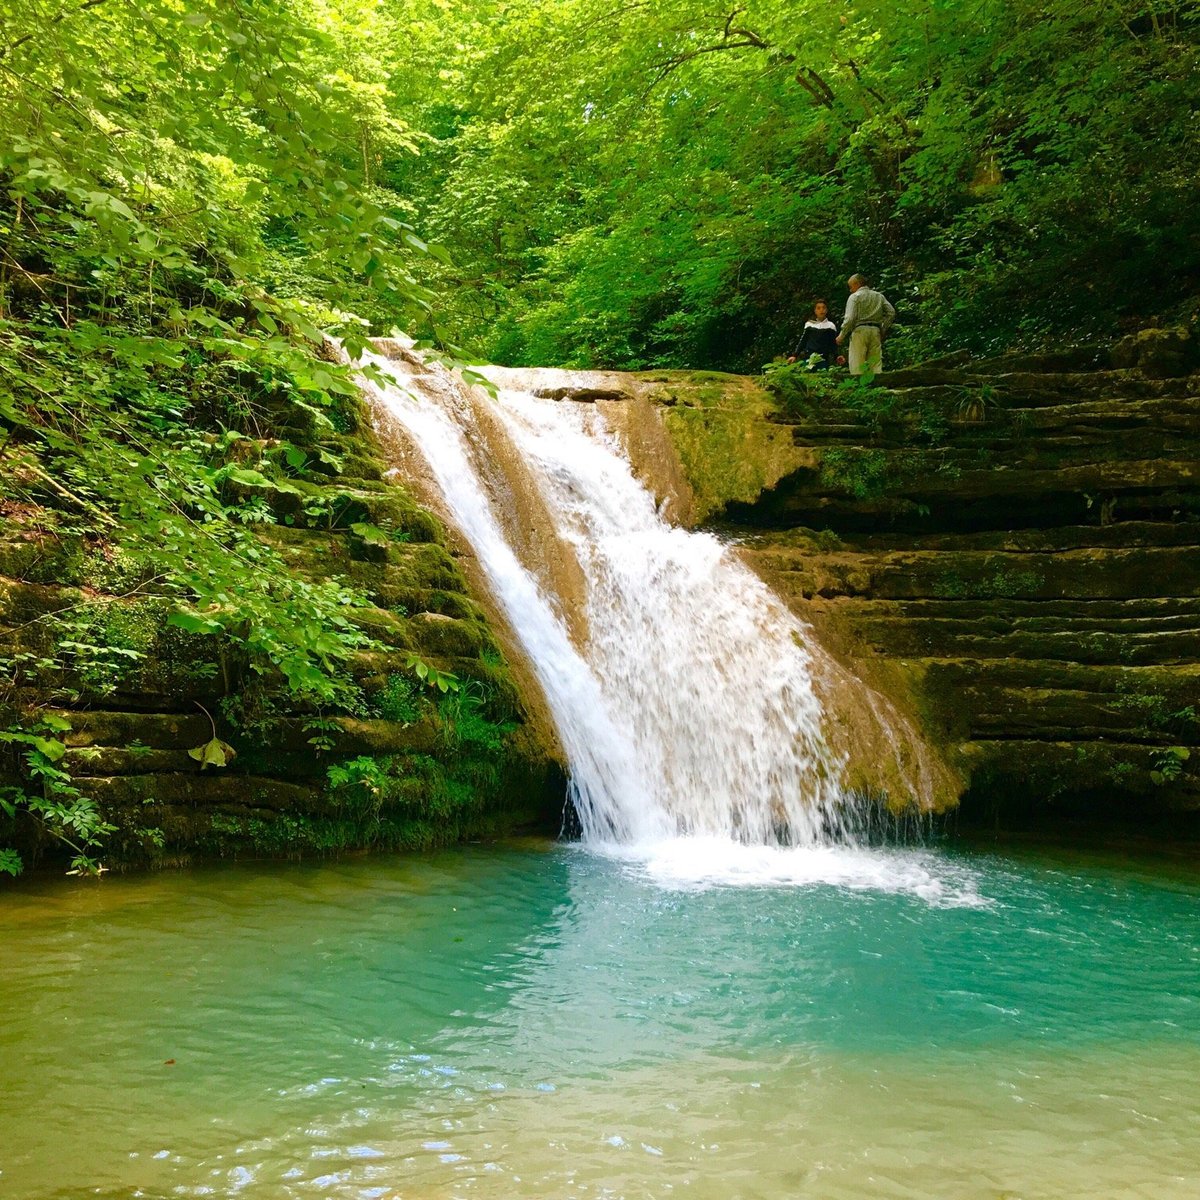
{"points": [[537, 1020]]}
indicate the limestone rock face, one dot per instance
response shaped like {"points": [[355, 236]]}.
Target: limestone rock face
{"points": [[1159, 353], [1022, 543]]}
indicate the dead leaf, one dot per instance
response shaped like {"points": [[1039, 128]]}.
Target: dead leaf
{"points": [[215, 753]]}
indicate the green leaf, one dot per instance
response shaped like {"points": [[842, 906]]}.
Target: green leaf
{"points": [[248, 477], [371, 534], [51, 748], [193, 622]]}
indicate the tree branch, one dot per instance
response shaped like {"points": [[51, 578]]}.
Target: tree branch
{"points": [[732, 38], [55, 20], [815, 86], [866, 87], [677, 60]]}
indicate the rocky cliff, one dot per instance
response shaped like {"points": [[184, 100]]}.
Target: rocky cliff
{"points": [[1008, 550], [1015, 543]]}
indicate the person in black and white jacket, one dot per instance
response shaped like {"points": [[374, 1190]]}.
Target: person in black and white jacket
{"points": [[818, 339]]}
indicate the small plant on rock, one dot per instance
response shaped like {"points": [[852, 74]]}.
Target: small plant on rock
{"points": [[49, 796], [1168, 765]]}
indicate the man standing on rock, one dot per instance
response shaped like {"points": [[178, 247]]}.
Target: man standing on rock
{"points": [[868, 318]]}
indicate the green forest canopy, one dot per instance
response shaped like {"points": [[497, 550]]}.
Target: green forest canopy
{"points": [[614, 184], [670, 183]]}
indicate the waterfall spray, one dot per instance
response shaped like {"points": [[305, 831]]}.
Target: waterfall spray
{"points": [[684, 698]]}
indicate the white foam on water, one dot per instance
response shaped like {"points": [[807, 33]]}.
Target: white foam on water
{"points": [[693, 864]]}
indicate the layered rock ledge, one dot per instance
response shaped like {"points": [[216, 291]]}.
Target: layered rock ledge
{"points": [[1016, 543]]}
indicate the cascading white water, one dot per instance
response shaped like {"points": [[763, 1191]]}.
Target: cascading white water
{"points": [[687, 708]]}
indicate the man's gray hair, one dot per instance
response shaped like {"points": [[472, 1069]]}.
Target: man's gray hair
{"points": [[860, 280]]}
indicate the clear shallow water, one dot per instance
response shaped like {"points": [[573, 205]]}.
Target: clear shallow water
{"points": [[536, 1020]]}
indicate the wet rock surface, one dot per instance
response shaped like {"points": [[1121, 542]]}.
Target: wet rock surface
{"points": [[1020, 539]]}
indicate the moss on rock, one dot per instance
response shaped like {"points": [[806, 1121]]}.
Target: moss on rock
{"points": [[721, 429], [1029, 575], [141, 696]]}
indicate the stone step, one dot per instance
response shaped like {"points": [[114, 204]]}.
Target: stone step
{"points": [[1036, 614], [1115, 574], [898, 636], [1092, 420], [166, 734], [1047, 767], [1051, 713], [1176, 686], [1119, 534], [211, 792]]}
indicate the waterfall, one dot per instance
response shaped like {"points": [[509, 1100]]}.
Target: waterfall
{"points": [[681, 687]]}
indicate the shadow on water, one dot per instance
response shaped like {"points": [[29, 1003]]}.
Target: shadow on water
{"points": [[1076, 831]]}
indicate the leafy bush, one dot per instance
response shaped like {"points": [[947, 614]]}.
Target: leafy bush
{"points": [[191, 199], [48, 795]]}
